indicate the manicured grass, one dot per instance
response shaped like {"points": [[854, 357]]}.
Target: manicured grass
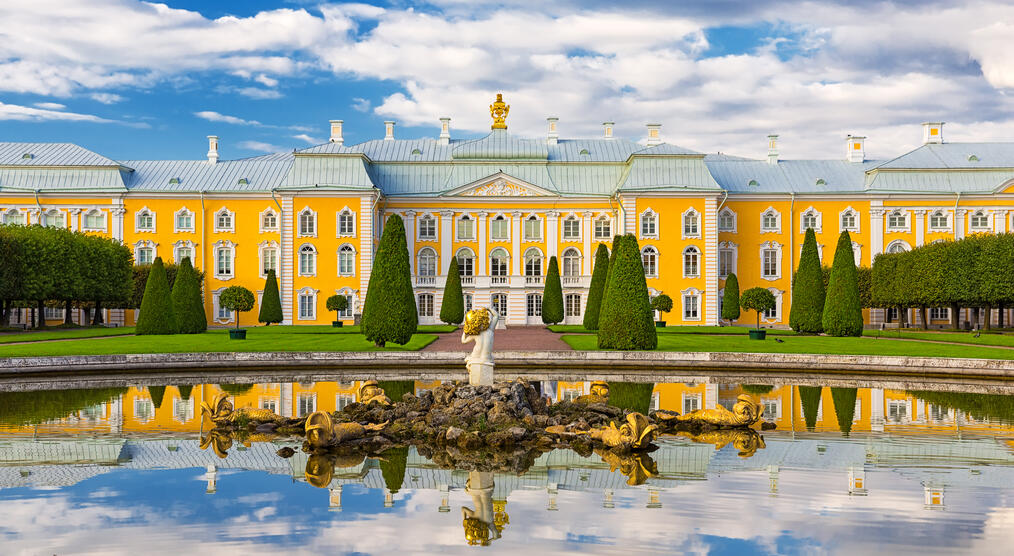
{"points": [[212, 341], [962, 337], [65, 334], [710, 330], [808, 344], [328, 329]]}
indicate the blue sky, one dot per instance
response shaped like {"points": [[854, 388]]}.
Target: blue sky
{"points": [[137, 80]]}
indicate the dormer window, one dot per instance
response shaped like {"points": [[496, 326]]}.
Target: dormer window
{"points": [[243, 181], [752, 183], [27, 156], [584, 152], [174, 181], [820, 181], [416, 152], [973, 158]]}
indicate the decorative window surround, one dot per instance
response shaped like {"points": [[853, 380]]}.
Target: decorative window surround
{"points": [[54, 218], [427, 262], [185, 213], [217, 310], [777, 248], [140, 257], [810, 214], [350, 311], [570, 263], [691, 224], [466, 261], [184, 244], [691, 262], [263, 248], [346, 260], [95, 220], [648, 224], [426, 227], [506, 236], [980, 221], [649, 259], [265, 221], [345, 223], [778, 308], [465, 232], [533, 261], [306, 222], [15, 216], [307, 259], [139, 224], [225, 259], [306, 304], [572, 219], [690, 304], [855, 227], [724, 217], [532, 232], [898, 246], [767, 227], [935, 224], [603, 227], [225, 221], [896, 225], [733, 248]]}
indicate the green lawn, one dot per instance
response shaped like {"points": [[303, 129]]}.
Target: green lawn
{"points": [[258, 339], [961, 337], [710, 330], [328, 329], [61, 334], [808, 344]]}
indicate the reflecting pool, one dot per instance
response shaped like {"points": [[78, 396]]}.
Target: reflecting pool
{"points": [[861, 468]]}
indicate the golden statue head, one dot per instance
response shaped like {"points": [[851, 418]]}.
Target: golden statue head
{"points": [[476, 531], [638, 431], [747, 442], [319, 429], [600, 388], [319, 470], [500, 516], [476, 321], [219, 441], [746, 410]]}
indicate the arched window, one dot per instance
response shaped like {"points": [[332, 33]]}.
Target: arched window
{"points": [[95, 219], [603, 228], [54, 219], [498, 262], [224, 253], [223, 221], [938, 220], [346, 260], [571, 262], [466, 228], [184, 220], [810, 220], [649, 258], [466, 262], [897, 246], [848, 220], [533, 262], [144, 254], [307, 260], [690, 224], [571, 228], [269, 221], [499, 229], [691, 262], [726, 221], [649, 224], [307, 223], [183, 250], [897, 220], [980, 221], [346, 223], [427, 262], [427, 228], [770, 221], [14, 216], [145, 221], [269, 257], [533, 228]]}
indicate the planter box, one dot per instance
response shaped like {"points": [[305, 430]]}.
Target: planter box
{"points": [[758, 334], [337, 324], [660, 324], [237, 334]]}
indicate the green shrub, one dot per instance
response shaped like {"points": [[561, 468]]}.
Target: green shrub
{"points": [[395, 389], [627, 321], [730, 298], [185, 391], [552, 295], [157, 394], [389, 314], [759, 300], [187, 300], [40, 406], [393, 463], [337, 303], [271, 302], [843, 310], [236, 298], [157, 313], [758, 389], [597, 288], [807, 312], [633, 396], [661, 303], [844, 407], [452, 308], [809, 398], [609, 269]]}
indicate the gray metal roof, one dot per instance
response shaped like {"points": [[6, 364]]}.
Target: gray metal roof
{"points": [[952, 181], [955, 155], [261, 174], [650, 173], [50, 154], [788, 176], [339, 171], [109, 178]]}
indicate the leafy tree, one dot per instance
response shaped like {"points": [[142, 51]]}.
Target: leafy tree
{"points": [[157, 313], [187, 300], [39, 406], [661, 303], [597, 288], [759, 300], [236, 298], [627, 321], [807, 309], [11, 272], [452, 308], [337, 303], [632, 396], [552, 295], [389, 314], [271, 303], [843, 311], [809, 398], [730, 298]]}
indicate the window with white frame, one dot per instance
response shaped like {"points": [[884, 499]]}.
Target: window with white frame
{"points": [[468, 302], [144, 221], [183, 250], [771, 262], [572, 305], [897, 220], [940, 313], [269, 258], [346, 260], [427, 263], [499, 228], [346, 223], [603, 228], [224, 253], [726, 262], [938, 220], [94, 219], [466, 228], [307, 260], [14, 216], [810, 219], [726, 221], [144, 253], [571, 228], [533, 304], [466, 262], [533, 228], [649, 224], [691, 262], [306, 403], [221, 313], [533, 262], [691, 402], [498, 262], [307, 304], [307, 223], [649, 259], [571, 262], [344, 400], [348, 311], [691, 304], [979, 221], [897, 246], [427, 228], [425, 304], [224, 220], [774, 312], [53, 313], [269, 221], [53, 219], [848, 220], [184, 221], [691, 223], [771, 221]]}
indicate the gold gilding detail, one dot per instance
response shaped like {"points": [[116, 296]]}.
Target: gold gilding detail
{"points": [[476, 322], [499, 110]]}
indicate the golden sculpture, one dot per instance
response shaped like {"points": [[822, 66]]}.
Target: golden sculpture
{"points": [[221, 411], [499, 110], [476, 322], [319, 470], [370, 393], [219, 441], [637, 467], [636, 433], [745, 412], [501, 518], [476, 531], [746, 441], [599, 393], [322, 432]]}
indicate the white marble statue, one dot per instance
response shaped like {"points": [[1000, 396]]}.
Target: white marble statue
{"points": [[479, 326], [479, 523]]}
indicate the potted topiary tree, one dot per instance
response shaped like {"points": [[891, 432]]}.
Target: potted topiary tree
{"points": [[663, 304], [760, 300], [337, 303], [239, 299]]}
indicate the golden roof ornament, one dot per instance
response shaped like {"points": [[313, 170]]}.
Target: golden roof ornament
{"points": [[499, 110]]}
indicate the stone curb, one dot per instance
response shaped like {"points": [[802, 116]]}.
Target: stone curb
{"points": [[629, 360]]}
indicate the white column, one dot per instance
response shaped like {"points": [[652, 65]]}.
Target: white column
{"points": [[877, 409], [711, 261], [74, 215], [552, 233], [710, 395], [366, 233], [117, 214], [480, 256], [516, 243], [446, 234], [628, 224], [999, 221], [920, 227], [286, 234], [876, 232], [586, 234], [285, 407], [410, 239], [959, 223]]}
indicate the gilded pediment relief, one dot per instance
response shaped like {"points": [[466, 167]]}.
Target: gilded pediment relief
{"points": [[500, 185]]}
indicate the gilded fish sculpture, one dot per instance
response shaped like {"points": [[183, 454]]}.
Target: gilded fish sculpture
{"points": [[598, 393], [745, 412], [746, 441], [221, 411], [323, 432], [635, 434]]}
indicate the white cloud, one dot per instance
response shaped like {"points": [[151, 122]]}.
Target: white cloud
{"points": [[29, 114], [308, 139], [106, 98], [259, 146], [266, 81], [258, 93], [361, 104], [49, 105], [212, 116]]}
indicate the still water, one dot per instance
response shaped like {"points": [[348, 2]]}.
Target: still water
{"points": [[848, 470]]}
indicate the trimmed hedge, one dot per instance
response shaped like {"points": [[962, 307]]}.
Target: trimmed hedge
{"points": [[843, 309], [271, 302], [757, 299], [730, 298], [393, 462], [157, 394], [609, 270], [389, 314], [844, 407], [627, 322], [597, 288], [807, 312], [157, 313], [452, 308], [187, 300], [185, 391], [552, 295], [809, 398]]}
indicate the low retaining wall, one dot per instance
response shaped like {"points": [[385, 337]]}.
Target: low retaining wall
{"points": [[598, 361]]}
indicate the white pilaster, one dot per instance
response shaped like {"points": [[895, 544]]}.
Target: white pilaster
{"points": [[117, 214], [446, 235], [516, 243], [628, 224], [711, 261], [959, 223], [920, 227], [285, 406], [366, 233], [480, 255], [586, 235], [999, 221], [710, 395], [286, 234], [410, 239], [877, 409], [74, 215], [876, 232], [552, 234]]}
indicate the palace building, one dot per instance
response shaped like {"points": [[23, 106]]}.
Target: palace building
{"points": [[503, 205]]}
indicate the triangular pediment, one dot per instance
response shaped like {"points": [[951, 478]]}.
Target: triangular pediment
{"points": [[499, 185]]}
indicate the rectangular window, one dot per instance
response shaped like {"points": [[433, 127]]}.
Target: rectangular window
{"points": [[726, 262], [347, 313], [145, 255], [54, 313], [938, 221], [270, 260], [691, 402], [603, 229], [270, 404], [726, 222], [270, 221], [183, 253], [466, 229], [690, 309], [346, 224], [572, 228], [224, 221], [940, 313], [427, 229], [771, 313], [499, 302], [533, 229], [498, 229], [224, 262], [307, 306], [534, 305], [306, 404], [468, 302], [573, 305], [95, 221], [425, 301], [770, 263], [648, 227], [307, 224], [184, 221], [769, 222], [897, 220], [343, 400], [223, 313]]}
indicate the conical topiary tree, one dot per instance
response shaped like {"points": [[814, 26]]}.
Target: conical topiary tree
{"points": [[157, 313], [609, 270], [552, 295], [157, 394], [730, 298], [452, 308], [389, 314], [185, 391], [627, 321], [807, 312], [271, 303], [809, 398], [844, 407], [843, 309], [393, 463], [597, 288], [187, 300]]}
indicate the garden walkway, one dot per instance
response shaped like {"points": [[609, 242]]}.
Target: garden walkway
{"points": [[514, 338]]}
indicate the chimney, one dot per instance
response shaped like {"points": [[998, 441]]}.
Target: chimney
{"points": [[607, 130], [445, 131], [212, 149], [654, 134], [336, 132], [551, 139], [932, 132], [388, 131], [854, 147], [772, 149]]}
